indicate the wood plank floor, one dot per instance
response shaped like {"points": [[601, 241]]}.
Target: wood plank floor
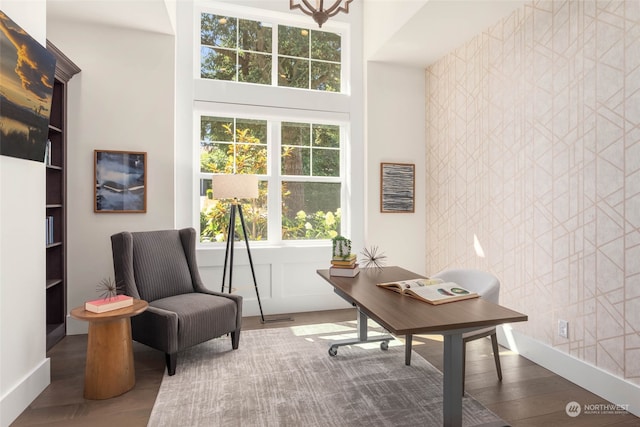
{"points": [[529, 395]]}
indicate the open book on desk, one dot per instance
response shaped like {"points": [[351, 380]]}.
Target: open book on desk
{"points": [[433, 291]]}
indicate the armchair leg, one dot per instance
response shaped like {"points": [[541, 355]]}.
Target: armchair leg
{"points": [[235, 339], [496, 354], [171, 363]]}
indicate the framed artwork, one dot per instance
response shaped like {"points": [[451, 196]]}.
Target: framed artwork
{"points": [[397, 187], [120, 182], [26, 86]]}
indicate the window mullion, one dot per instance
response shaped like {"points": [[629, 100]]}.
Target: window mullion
{"points": [[275, 183], [309, 56], [276, 55], [237, 49]]}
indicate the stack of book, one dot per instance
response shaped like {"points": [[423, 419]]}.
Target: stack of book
{"points": [[103, 305], [345, 266]]}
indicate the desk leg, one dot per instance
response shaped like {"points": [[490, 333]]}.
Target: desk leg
{"points": [[408, 339], [452, 393], [109, 371], [362, 336]]}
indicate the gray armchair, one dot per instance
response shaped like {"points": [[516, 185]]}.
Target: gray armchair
{"points": [[160, 267]]}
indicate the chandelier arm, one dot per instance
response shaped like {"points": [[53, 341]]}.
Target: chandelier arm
{"points": [[299, 6], [320, 14], [334, 10]]}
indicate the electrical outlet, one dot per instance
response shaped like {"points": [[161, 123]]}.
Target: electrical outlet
{"points": [[563, 328]]}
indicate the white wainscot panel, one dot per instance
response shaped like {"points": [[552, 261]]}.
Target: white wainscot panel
{"points": [[242, 281], [301, 279], [285, 287]]}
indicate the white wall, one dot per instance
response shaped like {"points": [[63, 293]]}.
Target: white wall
{"points": [[395, 133], [123, 99], [24, 368]]}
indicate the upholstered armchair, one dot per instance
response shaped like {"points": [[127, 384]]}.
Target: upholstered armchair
{"points": [[160, 267]]}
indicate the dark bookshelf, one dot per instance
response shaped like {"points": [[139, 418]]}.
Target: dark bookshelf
{"points": [[55, 203]]}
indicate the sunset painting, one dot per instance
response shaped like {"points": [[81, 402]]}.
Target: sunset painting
{"points": [[26, 86]]}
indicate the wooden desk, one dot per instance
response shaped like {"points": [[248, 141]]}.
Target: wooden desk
{"points": [[109, 369], [402, 315]]}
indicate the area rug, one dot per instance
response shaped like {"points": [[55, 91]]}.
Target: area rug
{"points": [[285, 377]]}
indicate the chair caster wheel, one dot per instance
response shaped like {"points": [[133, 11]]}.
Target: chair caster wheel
{"points": [[333, 351], [384, 345]]}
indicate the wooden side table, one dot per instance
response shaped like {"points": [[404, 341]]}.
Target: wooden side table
{"points": [[109, 370]]}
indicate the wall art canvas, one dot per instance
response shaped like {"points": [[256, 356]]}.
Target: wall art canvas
{"points": [[397, 187], [120, 181], [27, 71]]}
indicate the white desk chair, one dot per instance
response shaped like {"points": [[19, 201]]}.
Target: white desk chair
{"points": [[488, 287]]}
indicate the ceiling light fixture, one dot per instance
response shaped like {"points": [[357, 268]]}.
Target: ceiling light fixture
{"points": [[319, 13]]}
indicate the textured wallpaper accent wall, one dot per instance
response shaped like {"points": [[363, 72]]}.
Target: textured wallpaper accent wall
{"points": [[533, 172]]}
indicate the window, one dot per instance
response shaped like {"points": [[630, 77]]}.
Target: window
{"points": [[235, 49], [308, 59], [250, 119], [244, 50], [310, 204], [227, 146], [305, 177]]}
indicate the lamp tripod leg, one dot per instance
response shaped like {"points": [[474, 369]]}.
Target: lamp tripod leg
{"points": [[253, 273], [228, 255]]}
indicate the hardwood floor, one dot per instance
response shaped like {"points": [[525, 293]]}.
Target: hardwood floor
{"points": [[529, 395]]}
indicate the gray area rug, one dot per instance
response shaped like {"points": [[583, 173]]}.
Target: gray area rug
{"points": [[285, 377]]}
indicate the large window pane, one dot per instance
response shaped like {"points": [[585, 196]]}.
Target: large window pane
{"points": [[326, 162], [323, 160], [217, 63], [296, 161], [235, 50], [214, 215], [218, 30], [241, 50], [296, 133], [254, 36], [325, 76], [216, 148], [325, 46], [216, 158], [245, 152], [251, 146], [216, 129], [310, 210], [254, 131], [254, 68], [293, 41], [293, 73], [326, 136]]}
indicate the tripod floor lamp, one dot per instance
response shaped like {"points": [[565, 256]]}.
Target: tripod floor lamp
{"points": [[236, 187]]}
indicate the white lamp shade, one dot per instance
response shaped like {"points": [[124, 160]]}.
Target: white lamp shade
{"points": [[235, 186]]}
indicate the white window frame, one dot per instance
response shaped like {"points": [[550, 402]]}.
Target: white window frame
{"points": [[274, 177], [248, 100], [275, 19]]}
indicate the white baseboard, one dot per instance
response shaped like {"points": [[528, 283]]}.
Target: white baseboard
{"points": [[16, 400], [606, 385]]}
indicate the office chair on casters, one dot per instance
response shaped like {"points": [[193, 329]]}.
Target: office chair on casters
{"points": [[488, 287], [160, 267]]}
